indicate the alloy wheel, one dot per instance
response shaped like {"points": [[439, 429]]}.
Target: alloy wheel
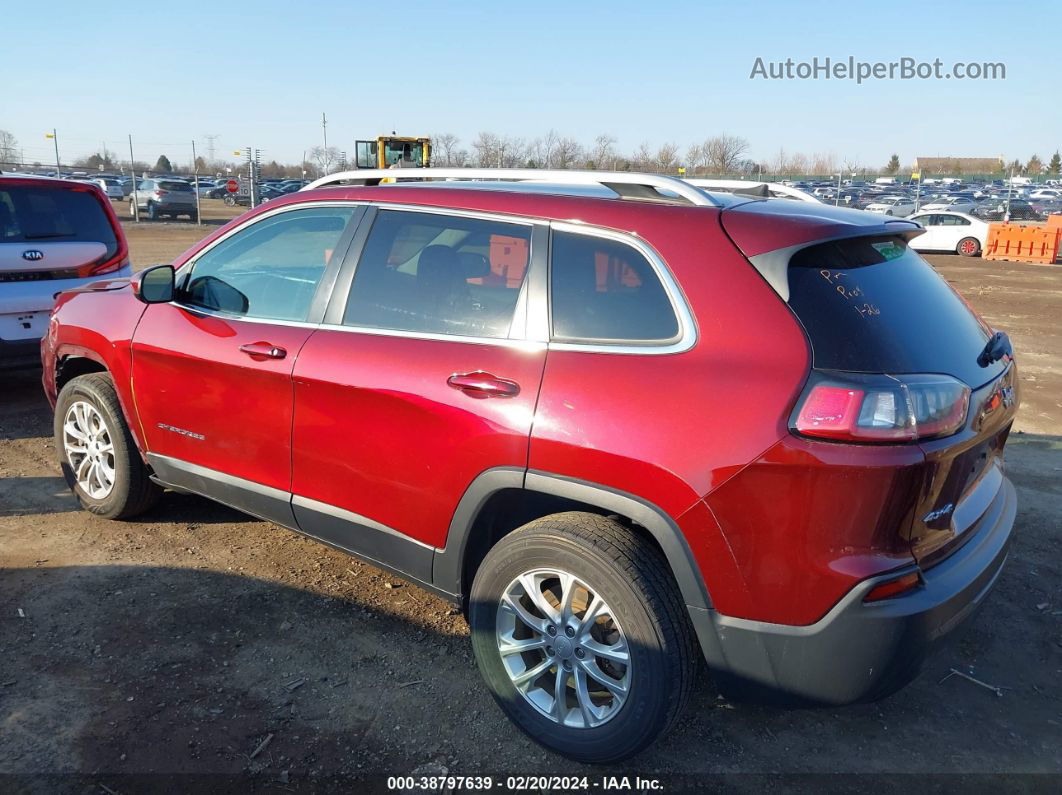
{"points": [[89, 449], [563, 648]]}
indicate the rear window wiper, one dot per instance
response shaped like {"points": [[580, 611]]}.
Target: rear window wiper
{"points": [[995, 349], [48, 235]]}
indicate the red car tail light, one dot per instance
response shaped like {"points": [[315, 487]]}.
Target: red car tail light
{"points": [[161, 192], [890, 588], [868, 409]]}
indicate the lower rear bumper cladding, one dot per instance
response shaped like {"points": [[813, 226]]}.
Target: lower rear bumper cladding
{"points": [[20, 353], [859, 652]]}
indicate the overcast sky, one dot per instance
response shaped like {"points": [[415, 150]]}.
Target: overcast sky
{"points": [[262, 73]]}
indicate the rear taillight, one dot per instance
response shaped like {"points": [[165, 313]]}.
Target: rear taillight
{"points": [[891, 588], [161, 192], [852, 407], [107, 266]]}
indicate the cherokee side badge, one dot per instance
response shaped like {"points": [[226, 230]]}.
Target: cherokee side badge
{"points": [[181, 431], [939, 513]]}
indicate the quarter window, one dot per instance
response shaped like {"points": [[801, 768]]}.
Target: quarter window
{"points": [[439, 274], [271, 268], [602, 290]]}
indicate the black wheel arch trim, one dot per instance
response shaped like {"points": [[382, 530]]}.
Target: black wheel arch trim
{"points": [[448, 564]]}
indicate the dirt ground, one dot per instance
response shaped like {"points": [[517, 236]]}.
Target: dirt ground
{"points": [[199, 640], [157, 242]]}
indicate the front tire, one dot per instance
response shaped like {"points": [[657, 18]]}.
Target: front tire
{"points": [[99, 458], [582, 637]]}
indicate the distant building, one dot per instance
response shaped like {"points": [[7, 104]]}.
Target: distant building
{"points": [[955, 166]]}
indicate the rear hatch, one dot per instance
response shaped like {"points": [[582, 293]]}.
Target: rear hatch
{"points": [[54, 230], [872, 305], [176, 192]]}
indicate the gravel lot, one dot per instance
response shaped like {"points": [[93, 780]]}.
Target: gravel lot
{"points": [[186, 641]]}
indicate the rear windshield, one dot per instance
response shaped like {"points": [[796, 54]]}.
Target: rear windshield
{"points": [[176, 186], [47, 212], [874, 305]]}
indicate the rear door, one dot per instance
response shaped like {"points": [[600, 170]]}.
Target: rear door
{"points": [[418, 381], [212, 370]]}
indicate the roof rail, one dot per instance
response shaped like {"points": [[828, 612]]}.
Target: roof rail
{"points": [[753, 187], [626, 184]]}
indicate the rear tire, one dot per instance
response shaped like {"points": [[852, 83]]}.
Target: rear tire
{"points": [[89, 403], [968, 247], [153, 211], [569, 707]]}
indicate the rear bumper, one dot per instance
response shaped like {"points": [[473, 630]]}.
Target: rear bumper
{"points": [[860, 652], [20, 353]]}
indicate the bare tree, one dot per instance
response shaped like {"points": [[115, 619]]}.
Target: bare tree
{"points": [[8, 148], [324, 160], [694, 159], [823, 163], [567, 153], [666, 158], [723, 153], [488, 149], [642, 159], [445, 149], [604, 152]]}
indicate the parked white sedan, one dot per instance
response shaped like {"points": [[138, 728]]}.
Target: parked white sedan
{"points": [[892, 205], [955, 204], [947, 231]]}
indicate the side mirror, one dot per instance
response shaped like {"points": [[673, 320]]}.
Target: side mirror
{"points": [[155, 285]]}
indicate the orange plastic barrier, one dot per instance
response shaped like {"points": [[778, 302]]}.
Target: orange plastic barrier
{"points": [[1037, 244]]}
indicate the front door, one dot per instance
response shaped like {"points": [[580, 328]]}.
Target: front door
{"points": [[417, 383], [212, 370]]}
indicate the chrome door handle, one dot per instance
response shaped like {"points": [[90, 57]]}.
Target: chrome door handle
{"points": [[260, 351], [479, 384]]}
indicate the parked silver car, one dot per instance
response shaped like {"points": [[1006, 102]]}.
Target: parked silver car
{"points": [[164, 197]]}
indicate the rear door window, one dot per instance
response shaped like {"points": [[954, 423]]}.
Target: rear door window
{"points": [[602, 290], [872, 304]]}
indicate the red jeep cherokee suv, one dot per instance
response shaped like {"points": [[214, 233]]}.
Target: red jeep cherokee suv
{"points": [[626, 422]]}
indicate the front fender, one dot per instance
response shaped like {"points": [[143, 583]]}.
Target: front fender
{"points": [[96, 325]]}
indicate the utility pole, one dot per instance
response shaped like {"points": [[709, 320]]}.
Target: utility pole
{"points": [[195, 175], [132, 173], [210, 146], [324, 132], [55, 140]]}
